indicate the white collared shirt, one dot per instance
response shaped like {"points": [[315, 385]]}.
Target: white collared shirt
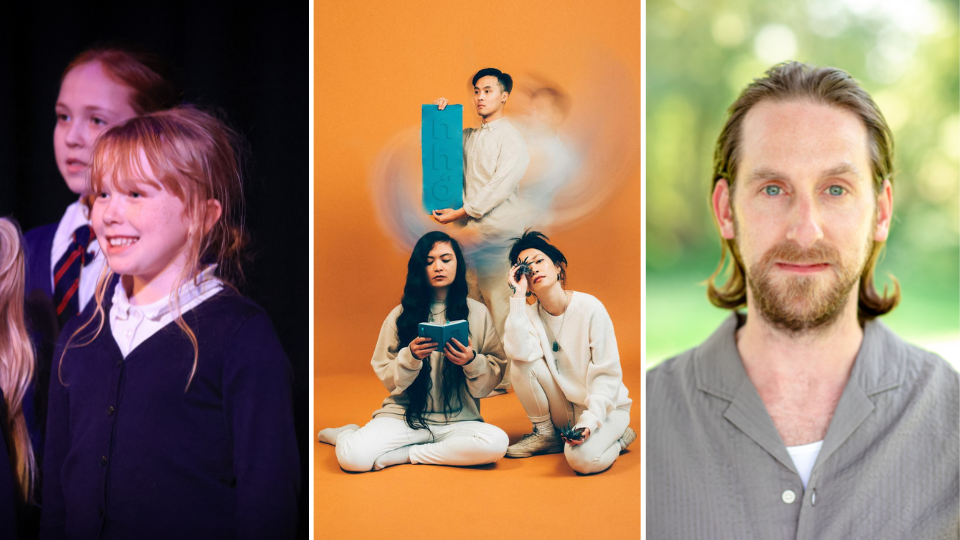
{"points": [[131, 325], [77, 215], [495, 158]]}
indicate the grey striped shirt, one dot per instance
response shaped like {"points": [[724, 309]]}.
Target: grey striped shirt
{"points": [[889, 466]]}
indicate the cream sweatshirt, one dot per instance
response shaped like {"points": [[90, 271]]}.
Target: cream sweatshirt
{"points": [[589, 373], [397, 368]]}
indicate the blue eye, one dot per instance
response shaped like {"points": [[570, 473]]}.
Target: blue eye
{"points": [[98, 121], [836, 191], [772, 190]]}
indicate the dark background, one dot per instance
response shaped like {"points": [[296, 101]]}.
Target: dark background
{"points": [[250, 63]]}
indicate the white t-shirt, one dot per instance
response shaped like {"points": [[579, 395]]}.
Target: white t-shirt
{"points": [[803, 458]]}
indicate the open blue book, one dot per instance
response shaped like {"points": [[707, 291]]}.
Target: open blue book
{"points": [[441, 139], [441, 333]]}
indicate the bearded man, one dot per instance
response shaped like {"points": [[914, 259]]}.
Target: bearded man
{"points": [[804, 417]]}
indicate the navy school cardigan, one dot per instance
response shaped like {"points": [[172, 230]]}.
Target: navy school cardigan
{"points": [[130, 454], [41, 318]]}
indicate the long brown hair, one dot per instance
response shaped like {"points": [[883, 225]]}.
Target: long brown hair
{"points": [[794, 81], [194, 156], [16, 356]]}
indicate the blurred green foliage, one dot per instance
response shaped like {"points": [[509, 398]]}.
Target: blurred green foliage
{"points": [[700, 55]]}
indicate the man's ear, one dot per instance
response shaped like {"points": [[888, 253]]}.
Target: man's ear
{"points": [[505, 96], [722, 210], [884, 211]]}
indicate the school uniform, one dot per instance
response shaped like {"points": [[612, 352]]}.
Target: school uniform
{"points": [[43, 248], [132, 452]]}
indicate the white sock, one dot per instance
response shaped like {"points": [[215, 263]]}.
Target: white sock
{"points": [[623, 440], [544, 428], [394, 457], [329, 435]]}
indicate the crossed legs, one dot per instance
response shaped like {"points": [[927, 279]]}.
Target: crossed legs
{"points": [[458, 443]]}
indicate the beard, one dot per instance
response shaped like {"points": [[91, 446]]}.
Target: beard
{"points": [[802, 303]]}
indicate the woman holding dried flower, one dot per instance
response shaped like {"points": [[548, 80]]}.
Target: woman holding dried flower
{"points": [[432, 415], [566, 367]]}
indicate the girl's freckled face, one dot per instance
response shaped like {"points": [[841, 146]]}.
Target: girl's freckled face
{"points": [[142, 228]]}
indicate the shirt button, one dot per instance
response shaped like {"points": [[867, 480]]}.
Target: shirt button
{"points": [[129, 333], [110, 410], [787, 496], [103, 461], [813, 498]]}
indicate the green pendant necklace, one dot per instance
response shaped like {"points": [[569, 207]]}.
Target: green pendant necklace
{"points": [[546, 326]]}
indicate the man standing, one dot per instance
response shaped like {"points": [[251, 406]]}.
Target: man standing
{"points": [[494, 160], [804, 417]]}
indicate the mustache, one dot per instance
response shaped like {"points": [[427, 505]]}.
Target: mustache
{"points": [[789, 252]]}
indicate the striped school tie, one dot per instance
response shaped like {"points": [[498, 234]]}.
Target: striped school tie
{"points": [[66, 274]]}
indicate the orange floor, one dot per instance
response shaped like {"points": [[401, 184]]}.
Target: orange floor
{"points": [[532, 498]]}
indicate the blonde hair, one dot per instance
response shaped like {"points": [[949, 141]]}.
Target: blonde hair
{"points": [[194, 156], [16, 356]]}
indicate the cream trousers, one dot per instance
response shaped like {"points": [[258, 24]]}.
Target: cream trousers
{"points": [[458, 443]]}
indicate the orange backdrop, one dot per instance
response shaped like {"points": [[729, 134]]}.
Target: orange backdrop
{"points": [[376, 62]]}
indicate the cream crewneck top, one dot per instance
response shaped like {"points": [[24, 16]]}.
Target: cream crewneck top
{"points": [[495, 158], [589, 375], [396, 367]]}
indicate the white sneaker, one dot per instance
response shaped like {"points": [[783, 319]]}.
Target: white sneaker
{"points": [[534, 443], [629, 435]]}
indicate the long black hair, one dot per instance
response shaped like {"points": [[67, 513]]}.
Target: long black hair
{"points": [[415, 304]]}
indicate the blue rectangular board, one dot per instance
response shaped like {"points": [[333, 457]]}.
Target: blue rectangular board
{"points": [[441, 139]]}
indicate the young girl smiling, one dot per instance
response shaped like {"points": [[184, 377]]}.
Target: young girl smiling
{"points": [[171, 411]]}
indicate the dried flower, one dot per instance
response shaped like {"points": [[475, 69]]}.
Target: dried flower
{"points": [[568, 434], [523, 269]]}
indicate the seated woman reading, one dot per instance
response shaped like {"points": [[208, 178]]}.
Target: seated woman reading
{"points": [[432, 415]]}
